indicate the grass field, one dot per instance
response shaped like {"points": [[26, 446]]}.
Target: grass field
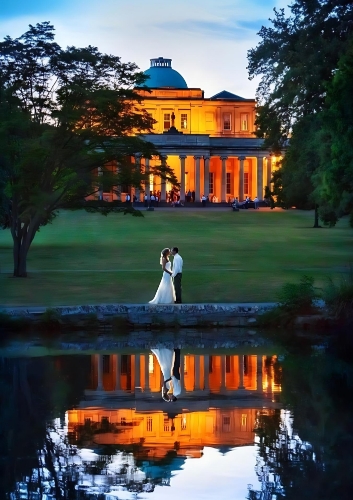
{"points": [[228, 257]]}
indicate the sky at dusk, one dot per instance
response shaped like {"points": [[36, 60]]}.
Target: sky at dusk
{"points": [[207, 40]]}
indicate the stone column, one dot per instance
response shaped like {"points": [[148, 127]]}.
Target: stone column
{"points": [[206, 372], [260, 181], [197, 372], [147, 373], [147, 181], [241, 372], [269, 171], [182, 371], [118, 372], [163, 181], [197, 178], [259, 374], [137, 371], [223, 373], [224, 179], [100, 372], [138, 167], [182, 178], [206, 176], [241, 177]]}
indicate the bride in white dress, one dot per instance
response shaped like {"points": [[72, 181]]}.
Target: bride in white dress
{"points": [[165, 293]]}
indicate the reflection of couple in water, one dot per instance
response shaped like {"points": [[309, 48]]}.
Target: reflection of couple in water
{"points": [[169, 361]]}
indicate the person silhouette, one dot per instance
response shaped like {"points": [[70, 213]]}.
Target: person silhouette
{"points": [[169, 361]]}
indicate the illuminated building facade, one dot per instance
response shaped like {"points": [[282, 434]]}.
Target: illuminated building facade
{"points": [[209, 142]]}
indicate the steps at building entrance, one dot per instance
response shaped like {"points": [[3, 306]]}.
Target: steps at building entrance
{"points": [[197, 204]]}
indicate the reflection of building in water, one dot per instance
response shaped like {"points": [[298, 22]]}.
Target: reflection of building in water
{"points": [[186, 432], [123, 405], [122, 374]]}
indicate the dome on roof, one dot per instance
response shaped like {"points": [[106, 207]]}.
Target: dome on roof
{"points": [[161, 74]]}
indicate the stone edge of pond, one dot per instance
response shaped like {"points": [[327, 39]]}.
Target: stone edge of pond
{"points": [[227, 314]]}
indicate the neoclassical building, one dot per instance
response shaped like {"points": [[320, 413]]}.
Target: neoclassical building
{"points": [[208, 141]]}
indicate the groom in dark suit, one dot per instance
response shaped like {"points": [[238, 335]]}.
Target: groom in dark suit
{"points": [[177, 274]]}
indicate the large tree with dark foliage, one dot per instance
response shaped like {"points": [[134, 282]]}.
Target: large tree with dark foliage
{"points": [[64, 114], [303, 61]]}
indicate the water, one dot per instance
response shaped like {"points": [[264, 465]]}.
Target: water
{"points": [[255, 420]]}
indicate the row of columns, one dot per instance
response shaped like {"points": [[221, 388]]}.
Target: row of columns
{"points": [[197, 372], [206, 167]]}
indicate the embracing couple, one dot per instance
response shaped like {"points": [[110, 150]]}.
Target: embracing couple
{"points": [[169, 290]]}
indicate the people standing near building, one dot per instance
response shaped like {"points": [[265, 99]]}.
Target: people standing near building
{"points": [[153, 200], [256, 202], [156, 198], [203, 200], [188, 196], [193, 196], [127, 199], [177, 273]]}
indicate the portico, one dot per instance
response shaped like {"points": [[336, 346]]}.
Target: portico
{"points": [[219, 169]]}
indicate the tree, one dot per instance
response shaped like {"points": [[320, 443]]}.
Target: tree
{"points": [[334, 177], [297, 60], [66, 114]]}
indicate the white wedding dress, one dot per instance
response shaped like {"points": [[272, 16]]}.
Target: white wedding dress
{"points": [[165, 293], [165, 358]]}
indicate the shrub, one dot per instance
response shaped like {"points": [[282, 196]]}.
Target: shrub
{"points": [[11, 324], [50, 316], [293, 299], [298, 297], [339, 297]]}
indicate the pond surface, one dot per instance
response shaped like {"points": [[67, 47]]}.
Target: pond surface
{"points": [[252, 421]]}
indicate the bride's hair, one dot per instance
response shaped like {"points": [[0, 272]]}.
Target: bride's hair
{"points": [[163, 254]]}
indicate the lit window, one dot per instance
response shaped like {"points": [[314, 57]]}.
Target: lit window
{"points": [[183, 423], [243, 419], [246, 182], [151, 183], [166, 425], [150, 363], [166, 121], [149, 424], [211, 183], [183, 121], [227, 121], [244, 121], [228, 183], [226, 424]]}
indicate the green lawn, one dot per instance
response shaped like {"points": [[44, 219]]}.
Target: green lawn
{"points": [[228, 257]]}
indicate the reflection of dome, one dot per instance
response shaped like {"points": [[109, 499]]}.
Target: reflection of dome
{"points": [[161, 74]]}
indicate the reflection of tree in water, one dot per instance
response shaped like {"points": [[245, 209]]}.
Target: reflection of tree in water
{"points": [[34, 391], [318, 389], [39, 458]]}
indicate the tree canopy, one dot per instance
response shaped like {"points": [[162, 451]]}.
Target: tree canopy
{"points": [[65, 115], [304, 60]]}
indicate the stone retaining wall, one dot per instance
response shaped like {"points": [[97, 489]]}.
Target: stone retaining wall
{"points": [[146, 315]]}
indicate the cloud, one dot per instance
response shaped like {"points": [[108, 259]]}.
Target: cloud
{"points": [[207, 39], [220, 30]]}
